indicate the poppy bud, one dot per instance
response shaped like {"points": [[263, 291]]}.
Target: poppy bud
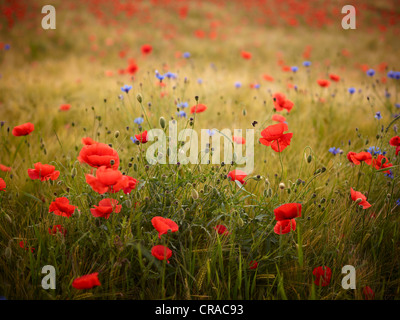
{"points": [[73, 172], [309, 158], [116, 134], [135, 167], [139, 98], [240, 222], [162, 122], [195, 194], [366, 141]]}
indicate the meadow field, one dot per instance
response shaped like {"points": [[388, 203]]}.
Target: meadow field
{"points": [[78, 193]]}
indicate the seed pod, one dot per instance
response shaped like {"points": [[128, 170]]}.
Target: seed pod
{"points": [[195, 194], [162, 122], [309, 158], [73, 172], [116, 134], [139, 98]]}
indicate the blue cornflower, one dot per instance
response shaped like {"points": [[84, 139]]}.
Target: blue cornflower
{"points": [[370, 72], [378, 116], [170, 75], [186, 55], [307, 63], [159, 76], [238, 84], [199, 81], [210, 132], [126, 88], [335, 151], [257, 86], [181, 114], [390, 174], [134, 140], [138, 121], [397, 105], [7, 47], [182, 105], [294, 69], [352, 90], [375, 151], [398, 202]]}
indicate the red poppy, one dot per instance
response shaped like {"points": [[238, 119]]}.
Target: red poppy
{"points": [[357, 158], [381, 163], [355, 195], [323, 83], [132, 67], [61, 207], [288, 211], [268, 78], [57, 228], [334, 77], [65, 107], [107, 180], [22, 245], [239, 140], [105, 208], [132, 182], [146, 49], [221, 229], [322, 276], [275, 137], [5, 168], [43, 172], [281, 103], [98, 155], [395, 142], [87, 141], [161, 252], [285, 226], [278, 118], [163, 225], [86, 282], [23, 129], [246, 55], [238, 175], [368, 293], [142, 137], [198, 108], [2, 185], [253, 264]]}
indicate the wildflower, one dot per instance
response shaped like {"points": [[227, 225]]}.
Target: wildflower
{"points": [[198, 108], [323, 83], [210, 132], [238, 84], [61, 207], [273, 136], [98, 155], [375, 151], [239, 140], [186, 55], [138, 121], [307, 63], [181, 114], [221, 229], [357, 196], [322, 276], [163, 225], [253, 264], [2, 185], [284, 226], [182, 105], [281, 103], [335, 151], [278, 118], [378, 116], [57, 228], [245, 55], [288, 211], [86, 282], [295, 69], [352, 90], [105, 208], [107, 180], [146, 49], [370, 72], [238, 175], [5, 168], [65, 107], [126, 88], [357, 158], [381, 162], [395, 142], [368, 293], [23, 129], [170, 75], [161, 252], [142, 137], [43, 172], [88, 141]]}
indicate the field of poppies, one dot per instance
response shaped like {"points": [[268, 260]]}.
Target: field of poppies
{"points": [[78, 194]]}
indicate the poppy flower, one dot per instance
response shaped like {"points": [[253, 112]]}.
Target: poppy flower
{"points": [[278, 118], [198, 108], [132, 182], [5, 168], [285, 226], [107, 180], [163, 225], [132, 67], [253, 264], [238, 175], [23, 246], [357, 158], [146, 49], [86, 282], [142, 137], [99, 154], [323, 83], [61, 207], [43, 172], [322, 276], [23, 129], [105, 208], [334, 77], [161, 252], [65, 107], [2, 185], [368, 293], [288, 211], [395, 142], [268, 78], [239, 140], [57, 228], [87, 141], [281, 103], [221, 229], [381, 162], [355, 195], [275, 137], [245, 55]]}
